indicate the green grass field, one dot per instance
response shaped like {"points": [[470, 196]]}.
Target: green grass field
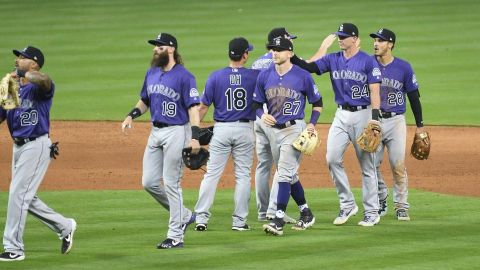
{"points": [[96, 50], [119, 230]]}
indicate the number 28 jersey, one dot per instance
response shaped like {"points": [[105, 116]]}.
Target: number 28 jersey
{"points": [[397, 80], [169, 94], [32, 118], [231, 91], [350, 77]]}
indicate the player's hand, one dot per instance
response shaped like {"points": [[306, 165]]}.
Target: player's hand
{"points": [[375, 122], [269, 119], [310, 129], [127, 124], [328, 41], [195, 144]]}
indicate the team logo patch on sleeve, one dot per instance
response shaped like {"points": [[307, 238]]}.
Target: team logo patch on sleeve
{"points": [[376, 72], [194, 92], [414, 79]]}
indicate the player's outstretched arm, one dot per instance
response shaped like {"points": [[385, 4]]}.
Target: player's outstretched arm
{"points": [[140, 108], [40, 79], [322, 51]]}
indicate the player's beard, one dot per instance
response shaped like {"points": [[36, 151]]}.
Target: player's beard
{"points": [[160, 60]]}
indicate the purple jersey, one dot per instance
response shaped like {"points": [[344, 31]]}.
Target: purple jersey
{"points": [[32, 118], [285, 95], [350, 77], [263, 62], [397, 80], [231, 91], [170, 94]]}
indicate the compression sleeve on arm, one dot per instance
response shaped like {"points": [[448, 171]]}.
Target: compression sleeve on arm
{"points": [[310, 67], [414, 99]]}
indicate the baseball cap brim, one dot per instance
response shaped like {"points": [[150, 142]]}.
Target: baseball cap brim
{"points": [[376, 35], [342, 34], [158, 43], [17, 53], [269, 47], [292, 36], [250, 47]]}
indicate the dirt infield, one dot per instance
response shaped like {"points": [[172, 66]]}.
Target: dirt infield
{"points": [[97, 155]]}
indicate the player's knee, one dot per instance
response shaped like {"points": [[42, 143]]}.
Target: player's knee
{"points": [[333, 160]]}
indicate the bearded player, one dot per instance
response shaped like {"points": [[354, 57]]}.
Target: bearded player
{"points": [[170, 92]]}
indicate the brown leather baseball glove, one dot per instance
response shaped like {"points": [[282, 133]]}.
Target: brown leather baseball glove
{"points": [[371, 137], [421, 145], [9, 87]]}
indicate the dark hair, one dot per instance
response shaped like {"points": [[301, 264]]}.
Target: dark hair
{"points": [[235, 58], [177, 57]]}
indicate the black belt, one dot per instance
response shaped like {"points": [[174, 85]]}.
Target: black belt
{"points": [[285, 125], [386, 115], [22, 141], [240, 120], [160, 124], [352, 108]]}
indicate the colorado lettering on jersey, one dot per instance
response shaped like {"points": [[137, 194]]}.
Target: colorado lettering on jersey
{"points": [[26, 104], [392, 83], [164, 90], [349, 75], [282, 92]]}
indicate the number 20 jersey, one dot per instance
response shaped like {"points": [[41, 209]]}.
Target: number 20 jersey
{"points": [[32, 118], [350, 77], [231, 91]]}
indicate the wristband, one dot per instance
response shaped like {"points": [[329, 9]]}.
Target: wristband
{"points": [[314, 117], [376, 114], [135, 113], [195, 132]]}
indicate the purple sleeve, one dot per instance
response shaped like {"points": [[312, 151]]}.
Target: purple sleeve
{"points": [[259, 94], [410, 80], [144, 93], [323, 64], [373, 71], [208, 93], [190, 92], [311, 90]]}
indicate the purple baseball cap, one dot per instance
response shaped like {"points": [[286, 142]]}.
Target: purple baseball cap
{"points": [[32, 53], [347, 30], [239, 46], [385, 34]]}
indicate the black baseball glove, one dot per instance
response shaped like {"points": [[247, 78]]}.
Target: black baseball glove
{"points": [[205, 135], [54, 150], [194, 162]]}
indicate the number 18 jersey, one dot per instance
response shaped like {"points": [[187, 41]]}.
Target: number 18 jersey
{"points": [[231, 91]]}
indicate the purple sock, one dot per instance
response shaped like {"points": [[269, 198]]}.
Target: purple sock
{"points": [[283, 195], [298, 194]]}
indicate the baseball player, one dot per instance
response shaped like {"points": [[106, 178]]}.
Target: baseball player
{"points": [[170, 92], [398, 79], [29, 126], [230, 90], [285, 87], [355, 78], [266, 198]]}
